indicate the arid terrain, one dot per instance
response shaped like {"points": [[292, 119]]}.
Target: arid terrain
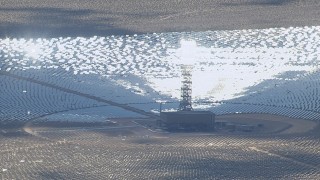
{"points": [[53, 18], [126, 149]]}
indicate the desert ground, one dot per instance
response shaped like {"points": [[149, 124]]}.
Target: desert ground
{"points": [[134, 149], [271, 123], [49, 18]]}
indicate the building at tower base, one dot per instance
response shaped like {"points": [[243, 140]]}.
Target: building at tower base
{"points": [[188, 120]]}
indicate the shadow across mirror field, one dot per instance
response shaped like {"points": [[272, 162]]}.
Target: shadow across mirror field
{"points": [[290, 89]]}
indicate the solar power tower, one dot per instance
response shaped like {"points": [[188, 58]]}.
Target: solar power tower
{"points": [[186, 88]]}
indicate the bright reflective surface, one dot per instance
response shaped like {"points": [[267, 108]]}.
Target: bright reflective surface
{"points": [[92, 94], [238, 58], [227, 64]]}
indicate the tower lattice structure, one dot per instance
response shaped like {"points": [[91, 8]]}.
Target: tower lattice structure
{"points": [[186, 88]]}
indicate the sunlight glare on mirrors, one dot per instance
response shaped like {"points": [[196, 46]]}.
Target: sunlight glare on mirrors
{"points": [[33, 49], [187, 53]]}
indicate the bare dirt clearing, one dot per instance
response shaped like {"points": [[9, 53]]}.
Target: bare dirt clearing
{"points": [[263, 123], [271, 123]]}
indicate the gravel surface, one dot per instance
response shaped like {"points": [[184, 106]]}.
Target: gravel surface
{"points": [[128, 154], [54, 18], [271, 123]]}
